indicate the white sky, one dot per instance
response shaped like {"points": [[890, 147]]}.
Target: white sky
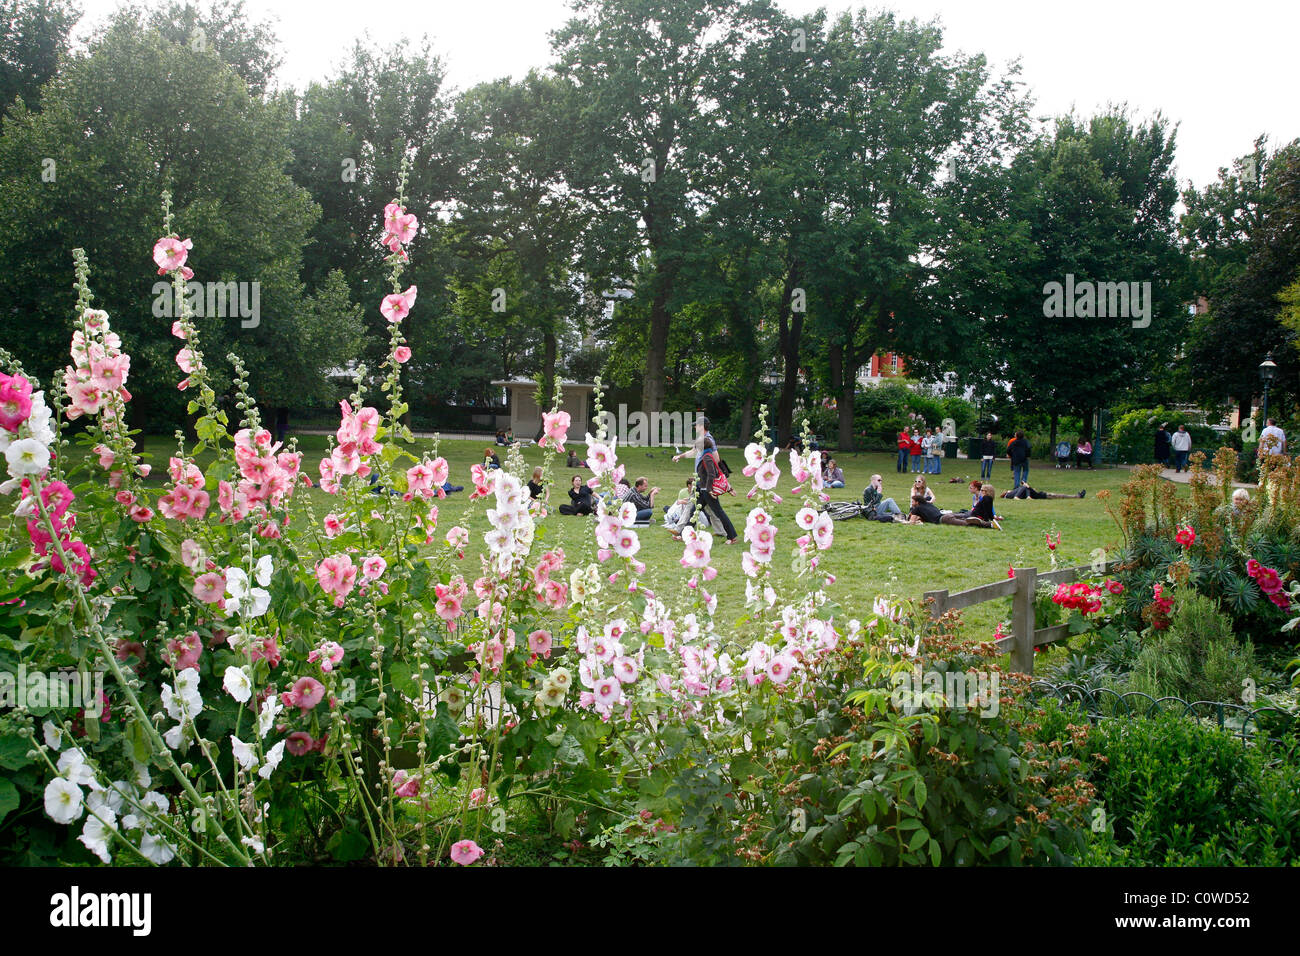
{"points": [[1224, 71]]}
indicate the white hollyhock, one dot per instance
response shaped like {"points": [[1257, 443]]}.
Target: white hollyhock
{"points": [[63, 801], [273, 758], [271, 708], [27, 457], [244, 753], [53, 735], [238, 684], [73, 768], [97, 833], [157, 850], [263, 570]]}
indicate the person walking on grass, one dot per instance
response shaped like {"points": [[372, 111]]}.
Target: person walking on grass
{"points": [[706, 473], [703, 442], [1019, 452], [1181, 442]]}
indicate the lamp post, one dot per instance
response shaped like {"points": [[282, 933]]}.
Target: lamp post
{"points": [[1267, 372]]}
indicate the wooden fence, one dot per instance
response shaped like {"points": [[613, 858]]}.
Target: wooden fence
{"points": [[1021, 588]]}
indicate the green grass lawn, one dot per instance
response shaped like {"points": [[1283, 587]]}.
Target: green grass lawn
{"points": [[868, 558]]}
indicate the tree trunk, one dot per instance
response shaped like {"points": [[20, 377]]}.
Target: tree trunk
{"points": [[548, 376], [1087, 416], [1243, 409], [789, 333], [1056, 417], [747, 419], [847, 393], [656, 356]]}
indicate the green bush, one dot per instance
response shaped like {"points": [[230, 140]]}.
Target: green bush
{"points": [[1198, 657], [1178, 793]]}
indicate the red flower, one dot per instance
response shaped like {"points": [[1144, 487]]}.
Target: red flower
{"points": [[1253, 567], [1269, 581], [1185, 536]]}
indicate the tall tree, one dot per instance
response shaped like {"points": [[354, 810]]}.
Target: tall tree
{"points": [[1239, 234], [33, 36], [120, 124], [639, 74]]}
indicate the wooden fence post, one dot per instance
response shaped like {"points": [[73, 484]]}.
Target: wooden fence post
{"points": [[940, 603], [1022, 620]]}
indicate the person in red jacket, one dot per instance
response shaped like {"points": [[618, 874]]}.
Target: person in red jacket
{"points": [[916, 451], [904, 449]]}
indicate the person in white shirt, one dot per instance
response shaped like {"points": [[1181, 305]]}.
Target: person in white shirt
{"points": [[1182, 446], [1272, 440]]}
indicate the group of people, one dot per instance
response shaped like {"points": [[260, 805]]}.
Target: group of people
{"points": [[1176, 446], [924, 510], [923, 447]]}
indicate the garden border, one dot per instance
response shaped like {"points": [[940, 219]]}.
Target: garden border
{"points": [[1022, 586]]}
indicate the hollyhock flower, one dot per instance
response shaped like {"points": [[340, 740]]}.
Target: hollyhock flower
{"points": [[402, 354], [767, 475], [754, 455], [539, 642], [338, 576], [1269, 581], [210, 588], [823, 531], [333, 525], [299, 743], [169, 253], [307, 692], [555, 426], [27, 457], [1185, 536], [1253, 567], [465, 852], [184, 652], [329, 654], [265, 649], [63, 800], [626, 544], [600, 456], [398, 306], [458, 537], [237, 684], [372, 567], [805, 518], [241, 598], [606, 694], [405, 785]]}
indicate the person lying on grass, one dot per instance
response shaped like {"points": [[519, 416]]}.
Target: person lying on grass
{"points": [[1024, 491], [923, 512]]}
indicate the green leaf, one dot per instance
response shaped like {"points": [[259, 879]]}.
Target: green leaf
{"points": [[9, 799]]}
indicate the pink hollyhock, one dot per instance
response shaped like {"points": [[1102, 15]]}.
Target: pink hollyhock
{"points": [[539, 642], [1253, 567], [398, 306], [170, 254], [329, 654], [265, 649], [15, 401], [210, 588], [184, 652], [556, 428], [372, 566], [307, 692], [405, 785], [465, 852], [1269, 581], [333, 525], [402, 354], [299, 743]]}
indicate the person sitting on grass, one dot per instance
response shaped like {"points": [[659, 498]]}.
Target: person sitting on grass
{"points": [[923, 488], [642, 498], [878, 506], [580, 502], [535, 486], [573, 461], [983, 508], [1083, 454], [1024, 491], [833, 475], [490, 459]]}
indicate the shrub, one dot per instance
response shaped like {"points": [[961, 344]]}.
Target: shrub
{"points": [[1179, 793], [1198, 657]]}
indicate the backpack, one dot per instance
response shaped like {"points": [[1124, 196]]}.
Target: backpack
{"points": [[720, 485]]}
